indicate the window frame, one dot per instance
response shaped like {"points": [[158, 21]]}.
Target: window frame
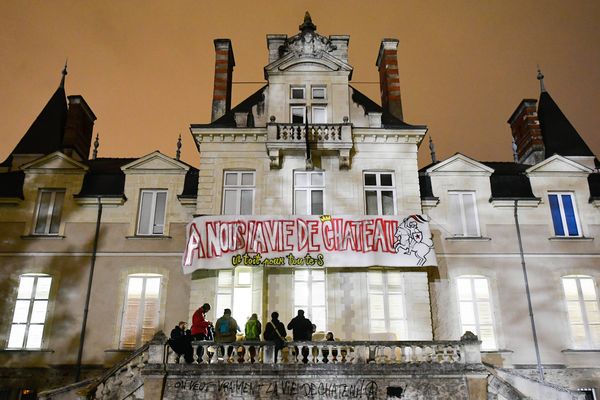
{"points": [[230, 291], [583, 310], [312, 92], [295, 87], [563, 217], [385, 292], [238, 188], [152, 216], [461, 206], [474, 301], [28, 323], [309, 189], [50, 212], [140, 313], [310, 307], [378, 188], [322, 107], [303, 107]]}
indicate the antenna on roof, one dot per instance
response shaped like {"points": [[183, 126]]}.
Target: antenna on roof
{"points": [[514, 149], [432, 150], [64, 75], [540, 78], [96, 145], [178, 152]]}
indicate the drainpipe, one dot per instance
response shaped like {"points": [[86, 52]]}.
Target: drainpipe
{"points": [[540, 368], [89, 292]]}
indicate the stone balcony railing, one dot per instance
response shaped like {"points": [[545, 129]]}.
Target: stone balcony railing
{"points": [[330, 137]]}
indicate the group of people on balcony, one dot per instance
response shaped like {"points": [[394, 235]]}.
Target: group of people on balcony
{"points": [[226, 329]]}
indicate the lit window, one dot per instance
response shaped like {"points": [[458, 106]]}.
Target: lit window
{"points": [[582, 307], [234, 291], [564, 215], [31, 307], [297, 93], [319, 93], [152, 212], [475, 308], [386, 303], [462, 214], [309, 295], [319, 114], [298, 114], [141, 310], [308, 192], [379, 193], [238, 193], [47, 220]]}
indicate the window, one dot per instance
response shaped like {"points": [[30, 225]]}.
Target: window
{"points": [[29, 317], [319, 93], [590, 393], [308, 192], [309, 295], [152, 212], [297, 93], [319, 114], [564, 215], [582, 307], [47, 220], [141, 310], [386, 303], [298, 114], [462, 214], [379, 193], [476, 309], [234, 291], [238, 193]]}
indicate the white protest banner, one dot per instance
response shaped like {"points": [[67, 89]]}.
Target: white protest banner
{"points": [[226, 241]]}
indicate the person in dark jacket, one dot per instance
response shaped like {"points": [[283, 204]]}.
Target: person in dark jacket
{"points": [[302, 328], [275, 332], [180, 342]]}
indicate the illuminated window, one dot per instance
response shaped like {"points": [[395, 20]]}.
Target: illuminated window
{"points": [[309, 295], [141, 310], [564, 214], [234, 291], [30, 312], [462, 214], [238, 192], [475, 308], [386, 303], [308, 192], [47, 220], [152, 212], [582, 306], [379, 193]]}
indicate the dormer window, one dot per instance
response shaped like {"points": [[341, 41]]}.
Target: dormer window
{"points": [[297, 93], [319, 93]]}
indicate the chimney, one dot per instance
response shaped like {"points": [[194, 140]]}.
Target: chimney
{"points": [[77, 138], [224, 63], [526, 132], [389, 79]]}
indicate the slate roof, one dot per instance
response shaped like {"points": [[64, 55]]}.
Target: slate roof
{"points": [[190, 185], [387, 119], [594, 184], [559, 136], [425, 186], [11, 184], [104, 178], [228, 119], [508, 181]]}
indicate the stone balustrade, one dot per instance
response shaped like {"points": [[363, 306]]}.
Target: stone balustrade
{"points": [[316, 133], [349, 352]]}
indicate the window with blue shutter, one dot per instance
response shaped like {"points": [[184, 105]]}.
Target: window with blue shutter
{"points": [[564, 216]]}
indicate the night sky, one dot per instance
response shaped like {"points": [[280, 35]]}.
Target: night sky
{"points": [[146, 67]]}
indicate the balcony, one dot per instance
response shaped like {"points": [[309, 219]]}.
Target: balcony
{"points": [[323, 137]]}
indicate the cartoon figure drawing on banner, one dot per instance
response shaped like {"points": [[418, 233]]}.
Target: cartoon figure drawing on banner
{"points": [[410, 239]]}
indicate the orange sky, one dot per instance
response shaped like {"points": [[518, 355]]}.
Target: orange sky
{"points": [[146, 67]]}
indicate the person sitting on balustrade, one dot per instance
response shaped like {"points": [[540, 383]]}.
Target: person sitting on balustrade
{"points": [[275, 332], [180, 342], [226, 330]]}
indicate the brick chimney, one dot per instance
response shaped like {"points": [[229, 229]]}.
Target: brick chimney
{"points": [[389, 78], [77, 138], [224, 63], [526, 132]]}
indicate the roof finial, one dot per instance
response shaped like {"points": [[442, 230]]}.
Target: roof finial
{"points": [[432, 150], [540, 78], [96, 145], [307, 24], [514, 149], [64, 75], [178, 152]]}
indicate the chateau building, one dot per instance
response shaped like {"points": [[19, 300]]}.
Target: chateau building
{"points": [[307, 196]]}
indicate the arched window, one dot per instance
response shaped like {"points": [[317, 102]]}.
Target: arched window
{"points": [[582, 306], [475, 308], [29, 316], [141, 310]]}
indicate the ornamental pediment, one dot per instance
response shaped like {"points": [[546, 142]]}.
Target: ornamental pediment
{"points": [[307, 62], [460, 164], [155, 162], [558, 165], [56, 162]]}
